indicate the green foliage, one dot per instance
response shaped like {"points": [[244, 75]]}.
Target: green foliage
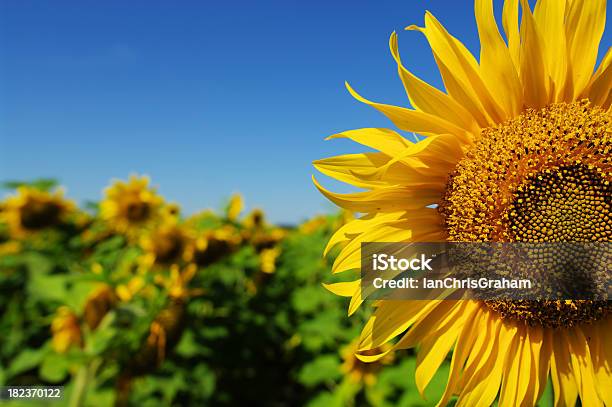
{"points": [[43, 184]]}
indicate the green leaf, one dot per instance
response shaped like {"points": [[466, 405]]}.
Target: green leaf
{"points": [[26, 360], [48, 287], [322, 369], [79, 293], [54, 368], [326, 400], [307, 299], [187, 347], [43, 184], [548, 398]]}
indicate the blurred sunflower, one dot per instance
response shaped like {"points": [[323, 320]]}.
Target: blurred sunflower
{"points": [[171, 211], [125, 292], [268, 258], [10, 247], [168, 325], [213, 245], [66, 330], [98, 304], [313, 225], [266, 242], [178, 281], [32, 210], [131, 207], [517, 149], [165, 245], [256, 219], [326, 223], [359, 371]]}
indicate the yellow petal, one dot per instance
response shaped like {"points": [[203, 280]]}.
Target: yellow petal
{"points": [[512, 366], [344, 289], [434, 158], [426, 324], [528, 374], [355, 303], [443, 151], [460, 71], [599, 90], [235, 206], [580, 358], [535, 79], [585, 24], [357, 226], [601, 367], [463, 349], [435, 347], [484, 383], [390, 319], [346, 168], [384, 140], [542, 357], [428, 99], [497, 68], [550, 19], [564, 385], [481, 349], [413, 120], [387, 199], [392, 231], [510, 15]]}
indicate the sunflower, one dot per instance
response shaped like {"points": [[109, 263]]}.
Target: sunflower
{"points": [[256, 219], [213, 245], [259, 233], [171, 211], [125, 292], [178, 281], [268, 258], [313, 225], [517, 150], [326, 223], [168, 325], [164, 246], [131, 207], [9, 248], [32, 210], [66, 330], [98, 304]]}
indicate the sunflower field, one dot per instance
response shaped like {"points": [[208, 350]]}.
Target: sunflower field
{"points": [[128, 302]]}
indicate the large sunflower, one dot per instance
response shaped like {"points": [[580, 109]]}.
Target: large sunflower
{"points": [[131, 207], [516, 149]]}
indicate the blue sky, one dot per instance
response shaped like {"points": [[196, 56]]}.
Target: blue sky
{"points": [[207, 98]]}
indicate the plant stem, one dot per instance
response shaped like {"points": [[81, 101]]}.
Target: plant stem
{"points": [[83, 377], [80, 384]]}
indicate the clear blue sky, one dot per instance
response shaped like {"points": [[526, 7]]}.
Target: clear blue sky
{"points": [[207, 98]]}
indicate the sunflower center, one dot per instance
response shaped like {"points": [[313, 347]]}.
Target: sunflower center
{"points": [[138, 211], [569, 204], [36, 215], [542, 177], [215, 250], [169, 248]]}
